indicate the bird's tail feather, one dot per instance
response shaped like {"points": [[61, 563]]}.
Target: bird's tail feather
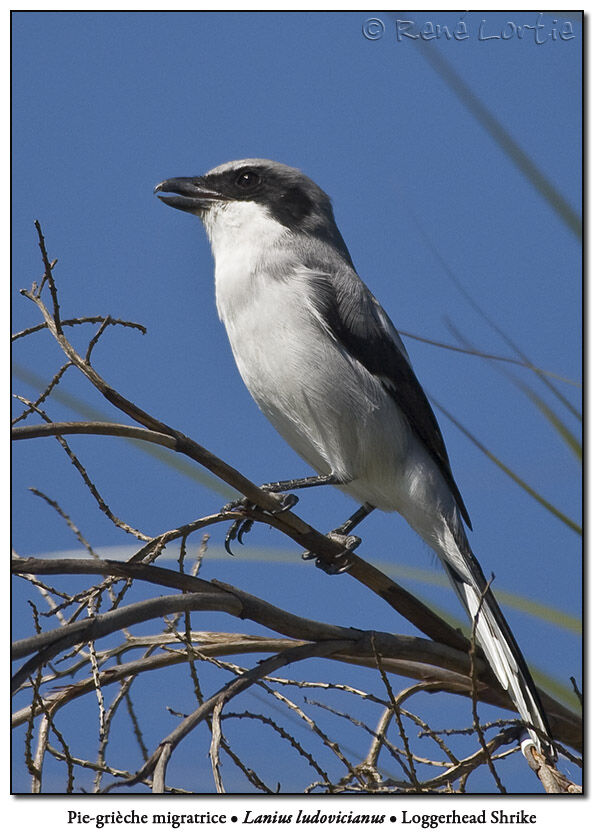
{"points": [[495, 637]]}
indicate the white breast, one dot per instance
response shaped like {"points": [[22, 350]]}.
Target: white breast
{"points": [[327, 406]]}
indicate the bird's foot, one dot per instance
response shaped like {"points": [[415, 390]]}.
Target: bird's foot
{"points": [[342, 561], [242, 526]]}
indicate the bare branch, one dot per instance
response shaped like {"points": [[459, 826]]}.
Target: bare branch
{"points": [[96, 338], [421, 657], [80, 320], [48, 276], [229, 691], [325, 548], [87, 480], [284, 735], [93, 427], [552, 780], [215, 746], [45, 393], [78, 664], [411, 773]]}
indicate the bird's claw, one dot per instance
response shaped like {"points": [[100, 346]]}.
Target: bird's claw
{"points": [[287, 502], [242, 526], [237, 530], [342, 561]]}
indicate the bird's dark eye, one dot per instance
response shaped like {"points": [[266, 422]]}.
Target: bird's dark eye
{"points": [[247, 180]]}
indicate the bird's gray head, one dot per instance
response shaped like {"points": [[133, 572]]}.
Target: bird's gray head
{"points": [[247, 194]]}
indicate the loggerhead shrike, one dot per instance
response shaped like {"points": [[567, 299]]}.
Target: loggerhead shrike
{"points": [[325, 364]]}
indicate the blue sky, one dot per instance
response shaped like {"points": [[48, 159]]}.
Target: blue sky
{"points": [[105, 105]]}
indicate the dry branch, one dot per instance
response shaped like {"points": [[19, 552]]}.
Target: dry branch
{"points": [[326, 549], [440, 663], [414, 656], [161, 755]]}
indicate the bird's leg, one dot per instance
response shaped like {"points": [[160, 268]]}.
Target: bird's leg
{"points": [[354, 519], [303, 483], [341, 535], [241, 527]]}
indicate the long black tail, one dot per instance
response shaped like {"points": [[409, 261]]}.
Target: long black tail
{"points": [[494, 636]]}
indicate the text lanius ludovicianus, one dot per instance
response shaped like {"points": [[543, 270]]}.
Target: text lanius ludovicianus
{"points": [[327, 367]]}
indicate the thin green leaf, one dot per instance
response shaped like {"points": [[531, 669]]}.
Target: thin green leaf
{"points": [[537, 371], [503, 138], [469, 351], [553, 616], [567, 436], [557, 688], [511, 474], [83, 409], [481, 312]]}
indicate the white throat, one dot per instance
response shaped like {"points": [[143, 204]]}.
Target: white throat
{"points": [[243, 236]]}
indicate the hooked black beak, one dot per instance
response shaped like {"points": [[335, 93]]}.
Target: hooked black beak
{"points": [[187, 194]]}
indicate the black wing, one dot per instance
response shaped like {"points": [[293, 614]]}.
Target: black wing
{"points": [[359, 323]]}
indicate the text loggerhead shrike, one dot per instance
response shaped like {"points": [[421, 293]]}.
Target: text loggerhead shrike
{"points": [[327, 367]]}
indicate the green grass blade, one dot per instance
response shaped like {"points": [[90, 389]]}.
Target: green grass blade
{"points": [[481, 312], [511, 474], [557, 688], [171, 459], [503, 138], [482, 354], [567, 436]]}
